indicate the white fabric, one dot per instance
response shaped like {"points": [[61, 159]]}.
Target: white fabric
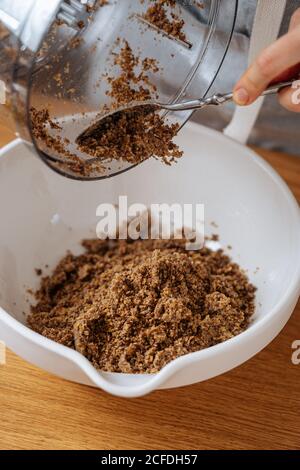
{"points": [[267, 22], [2, 92]]}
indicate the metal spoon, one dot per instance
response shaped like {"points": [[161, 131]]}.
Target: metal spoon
{"points": [[215, 100]]}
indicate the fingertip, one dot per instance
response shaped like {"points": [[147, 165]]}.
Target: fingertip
{"points": [[241, 96]]}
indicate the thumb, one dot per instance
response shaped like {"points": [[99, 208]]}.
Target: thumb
{"points": [[271, 63]]}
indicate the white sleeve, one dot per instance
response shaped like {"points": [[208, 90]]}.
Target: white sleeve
{"points": [[266, 27]]}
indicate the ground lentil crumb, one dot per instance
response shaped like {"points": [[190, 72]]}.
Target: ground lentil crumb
{"points": [[133, 135], [132, 307]]}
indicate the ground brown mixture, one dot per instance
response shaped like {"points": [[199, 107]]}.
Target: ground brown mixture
{"points": [[157, 14], [132, 135], [139, 133], [41, 125], [132, 83], [132, 307], [41, 122]]}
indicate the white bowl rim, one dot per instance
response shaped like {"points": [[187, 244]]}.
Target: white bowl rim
{"points": [[156, 380]]}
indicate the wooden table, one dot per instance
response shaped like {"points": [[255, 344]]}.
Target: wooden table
{"points": [[256, 406]]}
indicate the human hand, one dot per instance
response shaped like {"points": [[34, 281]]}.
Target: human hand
{"points": [[276, 63]]}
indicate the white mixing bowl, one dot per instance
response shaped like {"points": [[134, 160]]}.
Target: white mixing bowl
{"points": [[44, 214]]}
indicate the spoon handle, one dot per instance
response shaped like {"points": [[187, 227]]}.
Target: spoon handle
{"points": [[219, 99]]}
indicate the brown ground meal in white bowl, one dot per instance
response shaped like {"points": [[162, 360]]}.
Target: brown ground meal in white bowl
{"points": [[132, 307]]}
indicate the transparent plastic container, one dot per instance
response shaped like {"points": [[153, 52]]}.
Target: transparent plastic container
{"points": [[65, 68]]}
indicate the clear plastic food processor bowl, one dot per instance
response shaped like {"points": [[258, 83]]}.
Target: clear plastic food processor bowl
{"points": [[59, 57]]}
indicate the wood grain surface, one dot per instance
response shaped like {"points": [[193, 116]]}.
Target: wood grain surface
{"points": [[256, 406]]}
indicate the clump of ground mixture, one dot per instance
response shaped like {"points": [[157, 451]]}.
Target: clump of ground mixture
{"points": [[171, 24], [133, 306], [132, 135], [132, 82]]}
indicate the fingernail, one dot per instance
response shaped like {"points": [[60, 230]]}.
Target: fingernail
{"points": [[241, 96]]}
